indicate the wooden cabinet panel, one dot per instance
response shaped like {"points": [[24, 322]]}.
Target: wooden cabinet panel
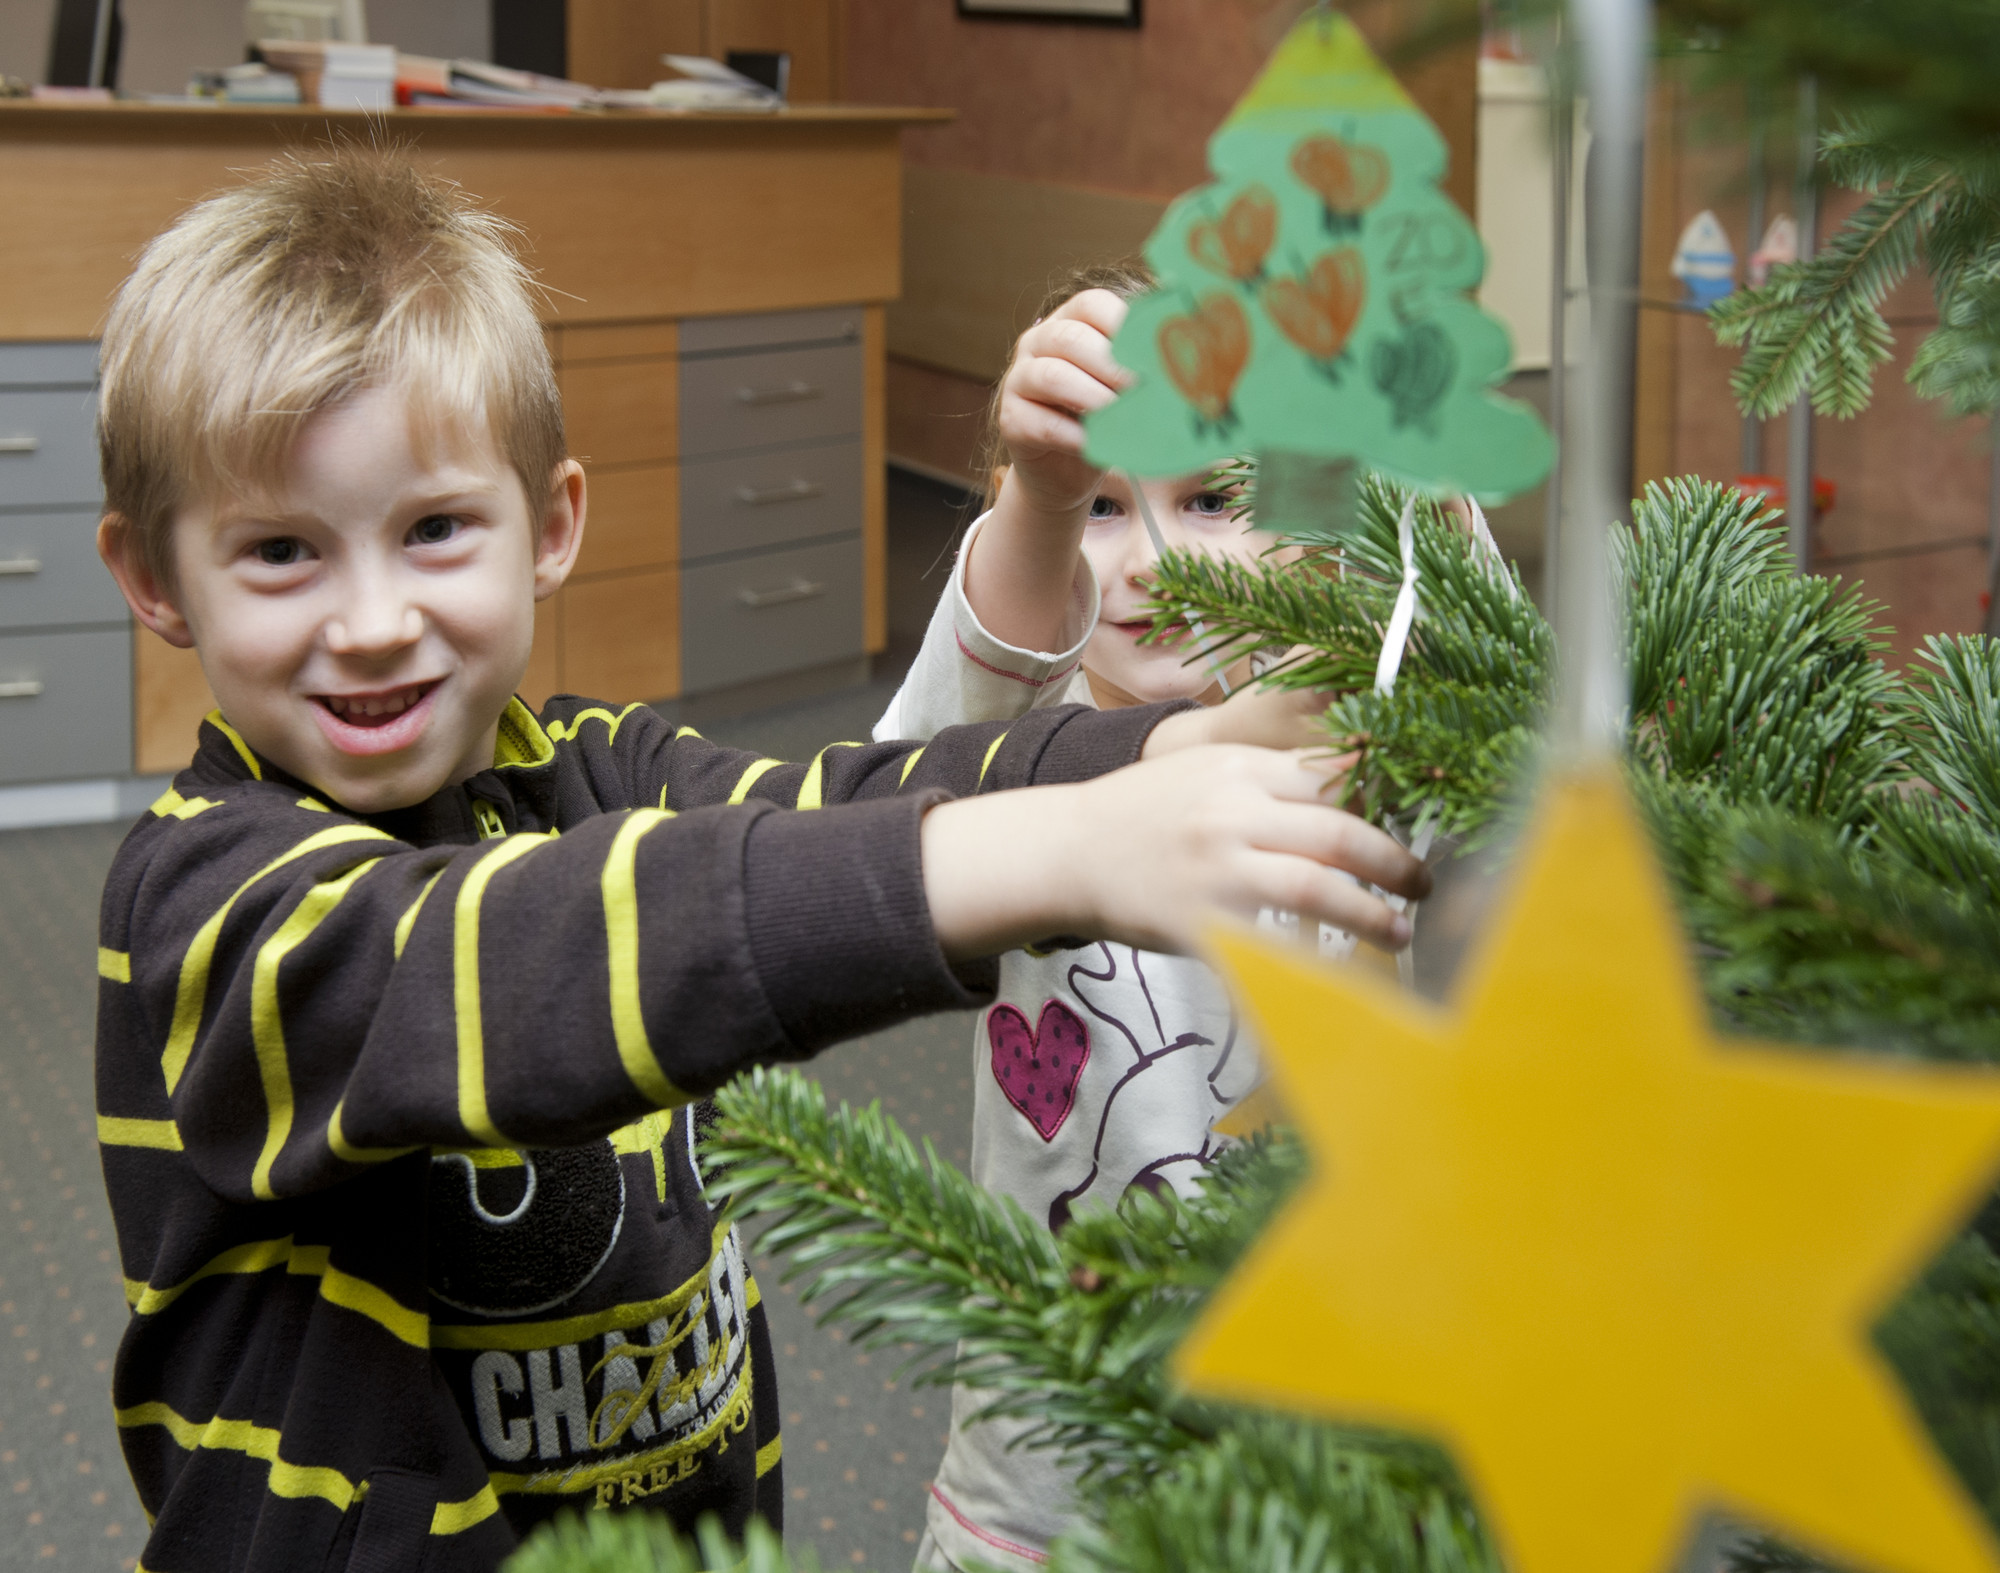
{"points": [[169, 698], [631, 519], [619, 341], [618, 43], [544, 674], [622, 412], [622, 636], [803, 28]]}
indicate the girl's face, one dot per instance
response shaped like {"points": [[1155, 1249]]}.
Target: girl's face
{"points": [[1191, 515]]}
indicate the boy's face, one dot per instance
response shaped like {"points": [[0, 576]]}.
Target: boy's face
{"points": [[1191, 514], [364, 626]]}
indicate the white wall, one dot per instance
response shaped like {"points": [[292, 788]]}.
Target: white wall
{"points": [[165, 40]]}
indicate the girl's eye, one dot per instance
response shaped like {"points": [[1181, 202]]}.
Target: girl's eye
{"points": [[1104, 508], [1213, 505], [281, 552], [433, 529]]}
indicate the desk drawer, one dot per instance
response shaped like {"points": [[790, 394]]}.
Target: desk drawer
{"points": [[749, 401], [48, 447], [50, 572], [754, 617], [769, 329], [750, 501], [43, 365], [65, 705]]}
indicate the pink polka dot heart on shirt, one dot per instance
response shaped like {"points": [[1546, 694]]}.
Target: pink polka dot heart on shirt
{"points": [[1038, 1068]]}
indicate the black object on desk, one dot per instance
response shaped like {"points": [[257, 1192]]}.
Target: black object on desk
{"points": [[83, 48], [770, 67]]}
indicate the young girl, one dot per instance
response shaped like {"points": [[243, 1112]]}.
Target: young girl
{"points": [[1107, 1067]]}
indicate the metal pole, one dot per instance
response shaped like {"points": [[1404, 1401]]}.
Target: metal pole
{"points": [[100, 44], [1562, 158], [1799, 431], [1993, 533], [1752, 457], [1616, 36]]}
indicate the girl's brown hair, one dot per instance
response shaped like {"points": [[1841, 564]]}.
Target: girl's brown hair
{"points": [[1126, 278]]}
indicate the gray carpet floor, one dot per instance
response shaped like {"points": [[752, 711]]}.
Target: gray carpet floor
{"points": [[859, 1445]]}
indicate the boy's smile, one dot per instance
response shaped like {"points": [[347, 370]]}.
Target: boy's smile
{"points": [[365, 623]]}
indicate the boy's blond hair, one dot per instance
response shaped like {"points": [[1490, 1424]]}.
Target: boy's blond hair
{"points": [[346, 269]]}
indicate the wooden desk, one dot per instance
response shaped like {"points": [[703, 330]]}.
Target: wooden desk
{"points": [[637, 225]]}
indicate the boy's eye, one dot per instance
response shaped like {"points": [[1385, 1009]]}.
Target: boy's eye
{"points": [[433, 530], [280, 552]]}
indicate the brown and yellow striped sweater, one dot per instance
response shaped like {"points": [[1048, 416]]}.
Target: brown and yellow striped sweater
{"points": [[395, 1114]]}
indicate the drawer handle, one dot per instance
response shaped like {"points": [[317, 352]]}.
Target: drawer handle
{"points": [[797, 590], [798, 491], [19, 567], [19, 444], [20, 688], [790, 393]]}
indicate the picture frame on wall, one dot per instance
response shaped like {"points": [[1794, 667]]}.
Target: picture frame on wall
{"points": [[1105, 13]]}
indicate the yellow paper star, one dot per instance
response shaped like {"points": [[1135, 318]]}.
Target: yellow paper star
{"points": [[1625, 1271]]}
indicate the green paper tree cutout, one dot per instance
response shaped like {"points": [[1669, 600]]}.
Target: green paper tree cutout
{"points": [[1315, 298]]}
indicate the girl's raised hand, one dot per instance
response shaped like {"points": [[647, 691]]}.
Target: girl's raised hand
{"points": [[1062, 370]]}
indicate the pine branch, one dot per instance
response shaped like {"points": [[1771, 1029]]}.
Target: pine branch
{"points": [[1070, 1332], [1956, 700], [907, 1249], [1816, 325], [647, 1543]]}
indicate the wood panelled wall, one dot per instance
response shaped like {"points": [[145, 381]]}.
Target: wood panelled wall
{"points": [[618, 43]]}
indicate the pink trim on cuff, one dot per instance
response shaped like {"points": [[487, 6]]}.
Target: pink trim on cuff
{"points": [[1032, 682], [991, 1539]]}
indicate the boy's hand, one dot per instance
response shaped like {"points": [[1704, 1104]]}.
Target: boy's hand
{"points": [[1062, 369], [1259, 717], [1149, 854]]}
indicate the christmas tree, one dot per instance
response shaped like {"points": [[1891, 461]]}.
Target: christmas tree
{"points": [[1831, 830]]}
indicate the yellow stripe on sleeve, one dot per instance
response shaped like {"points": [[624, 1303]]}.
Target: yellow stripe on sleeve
{"points": [[214, 719], [751, 776], [408, 920], [455, 1518], [267, 1025], [472, 1111], [908, 765], [115, 1130], [991, 749], [115, 965], [621, 942], [768, 1456], [191, 994], [171, 805], [378, 1305], [812, 790], [347, 1152], [243, 1436]]}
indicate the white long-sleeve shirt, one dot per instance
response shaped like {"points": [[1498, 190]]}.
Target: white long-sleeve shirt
{"points": [[1094, 1070]]}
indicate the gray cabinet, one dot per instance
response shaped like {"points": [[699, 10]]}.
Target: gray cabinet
{"points": [[65, 640], [771, 495]]}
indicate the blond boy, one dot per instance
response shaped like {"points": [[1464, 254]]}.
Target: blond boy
{"points": [[410, 993]]}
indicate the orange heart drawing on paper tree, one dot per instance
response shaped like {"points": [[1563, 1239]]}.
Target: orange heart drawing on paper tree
{"points": [[1318, 312], [1205, 353], [1236, 244], [1348, 176]]}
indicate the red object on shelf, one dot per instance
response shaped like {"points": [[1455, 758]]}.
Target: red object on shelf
{"points": [[1772, 489]]}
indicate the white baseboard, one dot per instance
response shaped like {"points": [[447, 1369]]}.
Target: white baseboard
{"points": [[45, 803]]}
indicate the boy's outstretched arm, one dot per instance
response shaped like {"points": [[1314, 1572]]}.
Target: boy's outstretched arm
{"points": [[1151, 854]]}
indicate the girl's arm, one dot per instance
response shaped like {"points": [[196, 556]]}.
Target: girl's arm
{"points": [[1019, 573], [965, 672]]}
